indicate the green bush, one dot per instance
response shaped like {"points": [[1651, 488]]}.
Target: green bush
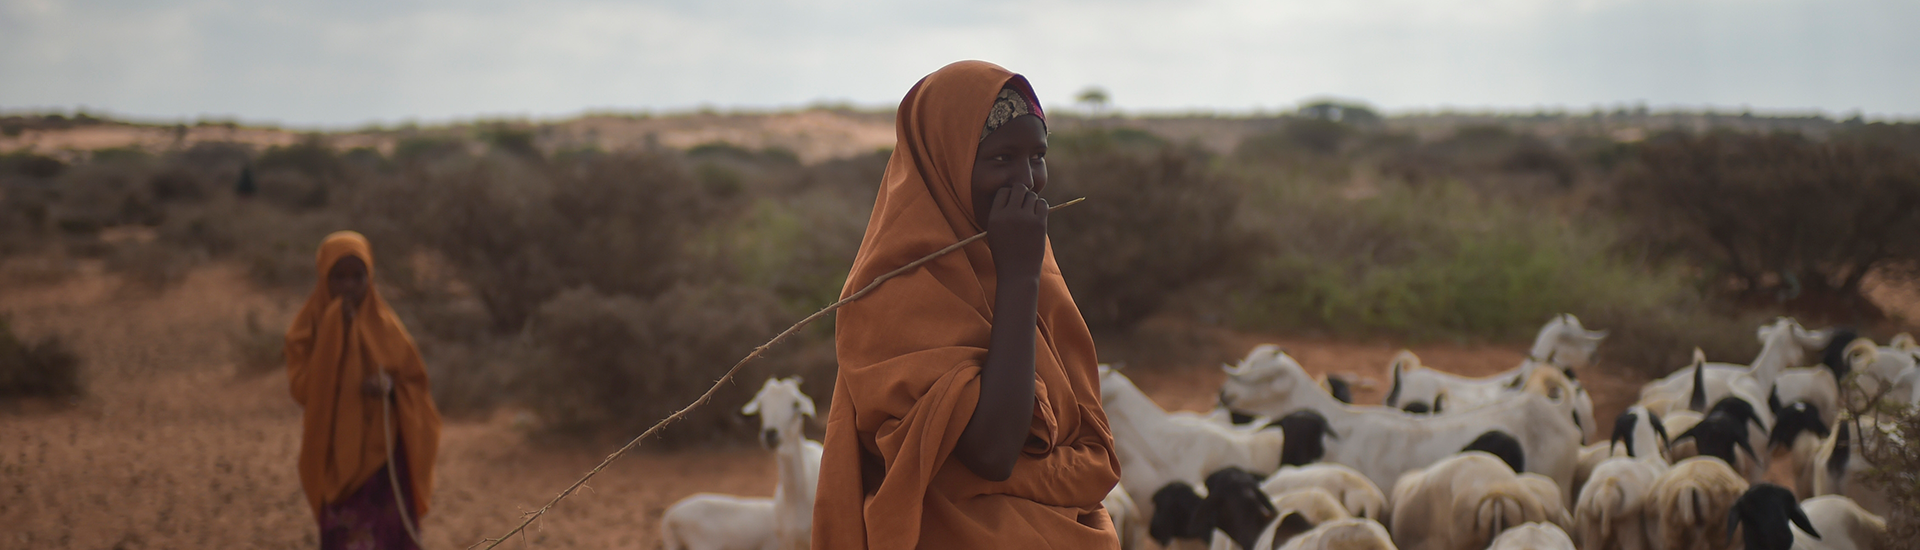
{"points": [[46, 368]]}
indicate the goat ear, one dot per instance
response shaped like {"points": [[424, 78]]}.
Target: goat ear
{"points": [[1862, 352], [752, 408], [1904, 342], [1799, 516], [1686, 434], [1393, 395], [806, 407], [1733, 521], [1741, 440], [1697, 399]]}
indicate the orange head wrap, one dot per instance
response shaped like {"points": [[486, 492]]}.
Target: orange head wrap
{"points": [[910, 356], [342, 443]]}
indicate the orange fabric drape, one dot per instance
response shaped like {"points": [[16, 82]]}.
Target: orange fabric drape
{"points": [[341, 443], [910, 355]]}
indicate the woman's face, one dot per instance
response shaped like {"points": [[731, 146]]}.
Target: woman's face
{"points": [[1014, 155], [348, 279]]}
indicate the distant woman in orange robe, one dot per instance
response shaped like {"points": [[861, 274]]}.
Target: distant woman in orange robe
{"points": [[346, 353], [966, 412]]}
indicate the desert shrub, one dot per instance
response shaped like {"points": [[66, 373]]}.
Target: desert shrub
{"points": [[1896, 456], [130, 154], [426, 148], [799, 249], [46, 368], [1779, 217], [311, 156], [518, 234], [27, 163], [1894, 451], [96, 196], [175, 183], [1491, 157], [622, 363], [1153, 224], [1433, 261], [1297, 137]]}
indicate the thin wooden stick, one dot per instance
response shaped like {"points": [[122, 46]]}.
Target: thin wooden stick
{"points": [[704, 397]]}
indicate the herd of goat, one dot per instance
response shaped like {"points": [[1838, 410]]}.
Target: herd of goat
{"points": [[1510, 461]]}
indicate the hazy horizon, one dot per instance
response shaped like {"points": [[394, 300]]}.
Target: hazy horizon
{"points": [[352, 64]]}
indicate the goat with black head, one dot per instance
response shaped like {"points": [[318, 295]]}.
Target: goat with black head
{"points": [[1174, 507], [1762, 515], [1500, 444], [1725, 427], [1628, 421]]}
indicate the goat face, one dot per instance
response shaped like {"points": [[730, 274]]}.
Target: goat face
{"points": [[1793, 419], [1174, 507], [1262, 380], [1236, 506], [780, 406], [1764, 512], [1303, 435]]}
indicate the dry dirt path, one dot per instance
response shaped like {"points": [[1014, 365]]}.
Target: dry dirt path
{"points": [[171, 449]]}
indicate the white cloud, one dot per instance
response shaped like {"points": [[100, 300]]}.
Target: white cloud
{"points": [[343, 63]]}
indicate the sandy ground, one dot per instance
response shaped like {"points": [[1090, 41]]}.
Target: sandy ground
{"points": [[173, 449]]}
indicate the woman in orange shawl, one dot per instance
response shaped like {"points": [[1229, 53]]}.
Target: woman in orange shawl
{"points": [[966, 413], [346, 353]]}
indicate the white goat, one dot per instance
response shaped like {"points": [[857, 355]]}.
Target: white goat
{"points": [[1533, 536], [1610, 512], [1383, 443], [710, 521], [782, 408], [1156, 448], [1343, 534], [1361, 497], [1463, 502], [1842, 524], [1770, 519], [1127, 520], [1689, 505], [1562, 343]]}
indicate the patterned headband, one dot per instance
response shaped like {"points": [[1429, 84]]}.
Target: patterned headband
{"points": [[1010, 104]]}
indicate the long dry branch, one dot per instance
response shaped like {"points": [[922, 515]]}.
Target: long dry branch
{"points": [[704, 397]]}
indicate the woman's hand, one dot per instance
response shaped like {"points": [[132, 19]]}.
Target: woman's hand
{"points": [[378, 384], [1017, 232]]}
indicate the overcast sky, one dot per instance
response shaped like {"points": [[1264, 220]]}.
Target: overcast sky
{"points": [[348, 62]]}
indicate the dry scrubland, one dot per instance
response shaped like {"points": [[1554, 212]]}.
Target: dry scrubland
{"points": [[572, 282]]}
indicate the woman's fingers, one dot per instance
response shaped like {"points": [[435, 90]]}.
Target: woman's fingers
{"points": [[1001, 197]]}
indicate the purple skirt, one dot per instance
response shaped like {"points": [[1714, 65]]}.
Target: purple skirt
{"points": [[369, 519]]}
